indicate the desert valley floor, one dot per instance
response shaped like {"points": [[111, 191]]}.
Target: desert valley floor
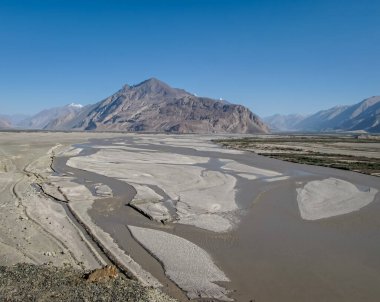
{"points": [[185, 215]]}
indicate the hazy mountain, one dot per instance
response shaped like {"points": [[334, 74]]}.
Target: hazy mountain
{"points": [[322, 120], [14, 119], [45, 118], [5, 123], [362, 116], [155, 106], [11, 120], [280, 122]]}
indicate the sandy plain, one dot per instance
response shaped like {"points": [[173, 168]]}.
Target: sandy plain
{"points": [[242, 211], [40, 221], [33, 227]]}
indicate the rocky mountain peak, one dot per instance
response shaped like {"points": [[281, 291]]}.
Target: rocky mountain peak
{"points": [[154, 87], [153, 106], [152, 82]]}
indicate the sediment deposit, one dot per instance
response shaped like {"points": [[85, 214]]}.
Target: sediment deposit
{"points": [[255, 223], [331, 197], [185, 263]]}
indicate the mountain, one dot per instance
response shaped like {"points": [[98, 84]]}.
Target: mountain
{"points": [[45, 118], [14, 119], [280, 122], [322, 120], [154, 106], [5, 123], [11, 120], [362, 116]]}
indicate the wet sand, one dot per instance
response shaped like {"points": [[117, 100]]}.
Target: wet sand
{"points": [[272, 254]]}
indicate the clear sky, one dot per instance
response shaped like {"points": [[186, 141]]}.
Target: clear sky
{"points": [[272, 56]]}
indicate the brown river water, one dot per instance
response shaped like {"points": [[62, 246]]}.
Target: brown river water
{"points": [[272, 254]]}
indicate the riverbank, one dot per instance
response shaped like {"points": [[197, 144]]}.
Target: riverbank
{"points": [[269, 249], [28, 282], [36, 227], [196, 219]]}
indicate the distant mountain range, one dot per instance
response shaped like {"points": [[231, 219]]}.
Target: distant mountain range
{"points": [[279, 122], [364, 116], [7, 121], [43, 119], [154, 106], [151, 106]]}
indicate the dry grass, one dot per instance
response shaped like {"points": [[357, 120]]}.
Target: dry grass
{"points": [[347, 152]]}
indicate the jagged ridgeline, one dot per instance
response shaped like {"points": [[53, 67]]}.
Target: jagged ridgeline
{"points": [[152, 106], [363, 116]]}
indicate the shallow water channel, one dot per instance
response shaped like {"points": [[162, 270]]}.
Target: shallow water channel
{"points": [[272, 254]]}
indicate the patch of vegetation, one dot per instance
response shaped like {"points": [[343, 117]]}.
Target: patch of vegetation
{"points": [[289, 148], [299, 139], [27, 282]]}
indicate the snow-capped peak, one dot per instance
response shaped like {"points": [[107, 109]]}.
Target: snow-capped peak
{"points": [[76, 105]]}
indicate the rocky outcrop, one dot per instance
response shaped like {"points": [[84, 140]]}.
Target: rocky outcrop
{"points": [[28, 282], [103, 274]]}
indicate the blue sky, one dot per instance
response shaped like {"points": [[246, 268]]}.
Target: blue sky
{"points": [[272, 56]]}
